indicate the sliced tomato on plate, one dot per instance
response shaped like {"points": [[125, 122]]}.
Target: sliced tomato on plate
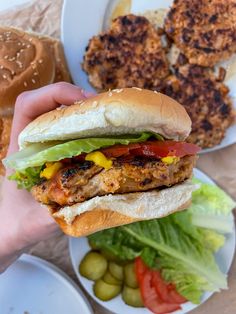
{"points": [[160, 287], [176, 297], [150, 297], [158, 296], [166, 291], [140, 268]]}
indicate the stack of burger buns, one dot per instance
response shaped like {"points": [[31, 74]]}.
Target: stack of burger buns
{"points": [[27, 61]]}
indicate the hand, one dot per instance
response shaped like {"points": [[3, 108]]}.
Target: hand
{"points": [[25, 222]]}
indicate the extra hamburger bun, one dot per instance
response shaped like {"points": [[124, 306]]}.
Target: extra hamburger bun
{"points": [[123, 111], [26, 63], [103, 212]]}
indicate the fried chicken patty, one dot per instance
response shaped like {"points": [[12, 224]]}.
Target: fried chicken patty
{"points": [[129, 54], [77, 183], [204, 30], [205, 99]]}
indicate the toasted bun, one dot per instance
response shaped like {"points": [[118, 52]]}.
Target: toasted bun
{"points": [[123, 111], [109, 211], [26, 63]]}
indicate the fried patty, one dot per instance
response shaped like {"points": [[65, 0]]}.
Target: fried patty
{"points": [[204, 30], [206, 101], [129, 54], [77, 183]]}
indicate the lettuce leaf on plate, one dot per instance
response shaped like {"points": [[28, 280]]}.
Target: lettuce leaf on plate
{"points": [[212, 208]]}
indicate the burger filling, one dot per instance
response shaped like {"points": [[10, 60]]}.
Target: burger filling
{"points": [[59, 177], [78, 182]]}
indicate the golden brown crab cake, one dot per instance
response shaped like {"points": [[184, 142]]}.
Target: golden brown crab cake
{"points": [[204, 30], [129, 54], [205, 99]]}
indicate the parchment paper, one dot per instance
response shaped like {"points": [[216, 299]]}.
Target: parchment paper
{"points": [[43, 16]]}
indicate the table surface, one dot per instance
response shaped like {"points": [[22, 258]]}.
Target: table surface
{"points": [[219, 165]]}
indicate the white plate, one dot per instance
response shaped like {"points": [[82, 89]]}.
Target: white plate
{"points": [[79, 247], [82, 20], [34, 286]]}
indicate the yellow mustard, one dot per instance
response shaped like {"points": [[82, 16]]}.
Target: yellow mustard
{"points": [[99, 159], [51, 169], [170, 160]]}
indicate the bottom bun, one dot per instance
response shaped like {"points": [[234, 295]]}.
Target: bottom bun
{"points": [[110, 211]]}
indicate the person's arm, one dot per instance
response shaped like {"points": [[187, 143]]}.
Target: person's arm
{"points": [[23, 221]]}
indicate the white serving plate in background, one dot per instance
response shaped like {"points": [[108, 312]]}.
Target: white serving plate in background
{"points": [[34, 286]]}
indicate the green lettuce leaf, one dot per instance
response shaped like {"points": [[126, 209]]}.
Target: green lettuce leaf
{"points": [[211, 239], [161, 242], [38, 154], [27, 178], [212, 208]]}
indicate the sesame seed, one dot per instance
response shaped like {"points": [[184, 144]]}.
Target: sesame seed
{"points": [[156, 92], [6, 57], [118, 90], [110, 94], [1, 67], [33, 81], [137, 88], [35, 73], [25, 84], [12, 59], [40, 61], [4, 76], [19, 64], [28, 46], [30, 39], [23, 44], [13, 72], [19, 43]]}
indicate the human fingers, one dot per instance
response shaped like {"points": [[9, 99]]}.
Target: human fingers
{"points": [[30, 105]]}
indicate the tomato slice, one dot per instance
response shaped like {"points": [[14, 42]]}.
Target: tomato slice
{"points": [[167, 292], [176, 297], [140, 269], [160, 287], [166, 148], [157, 149], [158, 296], [153, 149], [151, 299]]}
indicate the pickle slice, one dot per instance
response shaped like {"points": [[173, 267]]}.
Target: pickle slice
{"points": [[116, 270], [105, 291], [93, 266], [132, 296], [108, 278], [130, 276]]}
